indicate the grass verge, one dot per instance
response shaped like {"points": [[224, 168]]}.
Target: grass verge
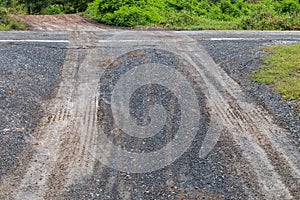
{"points": [[282, 70]]}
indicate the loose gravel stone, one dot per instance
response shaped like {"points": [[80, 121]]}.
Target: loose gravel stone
{"points": [[240, 59], [28, 76]]}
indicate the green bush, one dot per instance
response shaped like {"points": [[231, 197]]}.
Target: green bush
{"points": [[229, 8], [7, 22], [54, 9], [288, 6], [4, 19], [130, 16], [181, 19], [3, 12], [109, 6], [93, 9], [267, 16], [124, 12], [269, 21], [201, 8], [263, 14]]}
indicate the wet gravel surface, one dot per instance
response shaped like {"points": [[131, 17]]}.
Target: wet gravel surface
{"points": [[28, 76], [239, 59]]}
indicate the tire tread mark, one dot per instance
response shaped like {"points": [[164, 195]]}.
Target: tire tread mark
{"points": [[277, 161]]}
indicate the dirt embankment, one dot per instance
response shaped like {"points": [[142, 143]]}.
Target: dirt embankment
{"points": [[63, 22]]}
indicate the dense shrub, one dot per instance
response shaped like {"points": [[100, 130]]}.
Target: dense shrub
{"points": [[7, 22], [273, 16], [181, 19], [54, 9], [169, 12], [212, 14], [3, 12], [124, 12], [229, 8], [269, 21], [3, 16], [288, 6], [129, 16]]}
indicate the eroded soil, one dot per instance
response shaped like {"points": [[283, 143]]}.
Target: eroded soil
{"points": [[62, 22]]}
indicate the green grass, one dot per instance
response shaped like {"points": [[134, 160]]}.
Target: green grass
{"points": [[282, 70]]}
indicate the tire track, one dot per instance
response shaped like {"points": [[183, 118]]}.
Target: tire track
{"points": [[227, 102], [230, 110], [47, 137], [63, 140], [269, 166], [86, 108], [67, 148], [58, 179]]}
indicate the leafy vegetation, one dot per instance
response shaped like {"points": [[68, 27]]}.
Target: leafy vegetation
{"points": [[7, 22], [282, 70], [178, 14], [45, 6], [198, 14], [283, 15]]}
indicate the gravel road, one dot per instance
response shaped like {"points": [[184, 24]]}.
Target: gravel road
{"points": [[124, 114]]}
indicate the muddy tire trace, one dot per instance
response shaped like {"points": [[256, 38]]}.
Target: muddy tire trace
{"points": [[67, 132]]}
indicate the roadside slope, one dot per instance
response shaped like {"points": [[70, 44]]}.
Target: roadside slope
{"points": [[62, 22]]}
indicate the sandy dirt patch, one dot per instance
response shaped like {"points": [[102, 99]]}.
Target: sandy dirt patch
{"points": [[62, 22]]}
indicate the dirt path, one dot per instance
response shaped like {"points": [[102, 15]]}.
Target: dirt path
{"points": [[65, 137], [63, 22]]}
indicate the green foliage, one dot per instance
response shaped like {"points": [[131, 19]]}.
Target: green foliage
{"points": [[269, 21], [181, 19], [7, 22], [3, 16], [125, 12], [186, 14], [45, 6], [288, 6], [93, 9], [73, 6], [273, 16], [54, 9], [265, 15], [229, 8], [6, 3], [130, 16]]}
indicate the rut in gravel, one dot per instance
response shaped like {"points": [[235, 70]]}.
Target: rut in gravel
{"points": [[263, 144], [67, 137]]}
